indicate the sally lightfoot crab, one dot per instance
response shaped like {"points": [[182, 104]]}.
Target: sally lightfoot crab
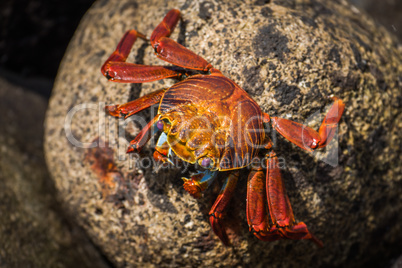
{"points": [[208, 120]]}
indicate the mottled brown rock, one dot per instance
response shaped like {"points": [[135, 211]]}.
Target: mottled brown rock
{"points": [[34, 232], [289, 56]]}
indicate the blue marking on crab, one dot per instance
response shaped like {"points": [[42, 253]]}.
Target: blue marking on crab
{"points": [[162, 139], [208, 178]]}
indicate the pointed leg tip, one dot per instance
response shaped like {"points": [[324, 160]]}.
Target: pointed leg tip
{"points": [[113, 110], [132, 148], [318, 242], [218, 229], [142, 36]]}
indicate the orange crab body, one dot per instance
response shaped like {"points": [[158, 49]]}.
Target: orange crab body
{"points": [[208, 120], [205, 114]]}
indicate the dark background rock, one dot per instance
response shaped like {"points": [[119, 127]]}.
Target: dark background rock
{"points": [[34, 35], [287, 55], [34, 231], [388, 13]]}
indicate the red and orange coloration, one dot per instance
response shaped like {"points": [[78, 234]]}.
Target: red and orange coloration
{"points": [[208, 120]]}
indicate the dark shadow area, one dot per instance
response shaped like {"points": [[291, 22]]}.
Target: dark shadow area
{"points": [[388, 13], [33, 38]]}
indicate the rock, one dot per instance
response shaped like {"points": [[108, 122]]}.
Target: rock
{"points": [[289, 56], [397, 263], [34, 232]]}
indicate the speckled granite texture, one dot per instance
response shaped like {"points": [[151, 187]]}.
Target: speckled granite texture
{"points": [[289, 56]]}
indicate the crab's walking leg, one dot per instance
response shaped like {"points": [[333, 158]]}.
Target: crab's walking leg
{"points": [[172, 52], [143, 137], [217, 211], [278, 201], [116, 69], [256, 199], [306, 137], [270, 189], [257, 216], [123, 48], [279, 206], [135, 106]]}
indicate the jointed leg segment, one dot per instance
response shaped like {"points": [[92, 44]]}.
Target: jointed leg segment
{"points": [[135, 106], [117, 69], [144, 136], [217, 211], [306, 137], [283, 222], [280, 211], [171, 51]]}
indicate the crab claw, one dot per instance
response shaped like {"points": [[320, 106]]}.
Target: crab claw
{"points": [[199, 182], [192, 187]]}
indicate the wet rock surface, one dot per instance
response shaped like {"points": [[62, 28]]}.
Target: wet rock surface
{"points": [[289, 56]]}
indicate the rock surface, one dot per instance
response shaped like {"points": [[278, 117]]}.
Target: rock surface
{"points": [[33, 230], [289, 56]]}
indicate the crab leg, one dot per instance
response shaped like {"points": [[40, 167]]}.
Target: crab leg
{"points": [[257, 216], [306, 137], [217, 210], [166, 27], [256, 199], [172, 52], [280, 209], [117, 70], [143, 137], [123, 48], [124, 72], [272, 189], [135, 106], [278, 201]]}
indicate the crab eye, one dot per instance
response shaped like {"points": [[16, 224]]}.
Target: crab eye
{"points": [[159, 125], [206, 162]]}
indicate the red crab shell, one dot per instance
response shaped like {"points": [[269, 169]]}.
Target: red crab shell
{"points": [[212, 116]]}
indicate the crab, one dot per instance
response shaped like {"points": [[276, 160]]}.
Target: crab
{"points": [[207, 120]]}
